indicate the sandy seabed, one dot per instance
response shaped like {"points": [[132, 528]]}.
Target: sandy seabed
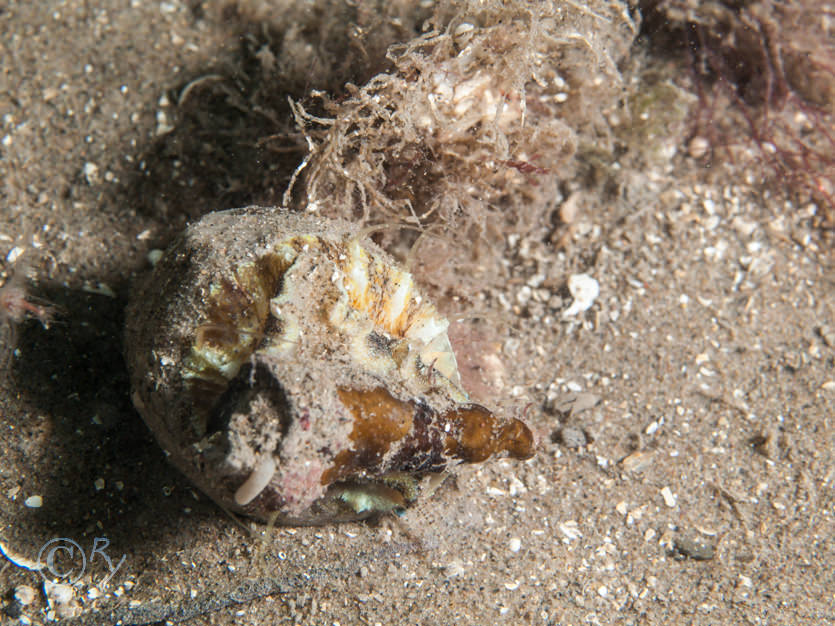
{"points": [[685, 470]]}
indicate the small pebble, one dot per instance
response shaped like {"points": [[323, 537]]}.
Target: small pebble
{"points": [[33, 502], [692, 548], [698, 147], [14, 254], [154, 256], [638, 461], [570, 530], [454, 568], [24, 594], [827, 333], [584, 289], [669, 498], [573, 437], [709, 206], [524, 295], [58, 593], [584, 401], [91, 173], [766, 443], [570, 209], [515, 544]]}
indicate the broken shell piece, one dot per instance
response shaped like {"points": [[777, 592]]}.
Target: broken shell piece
{"points": [[585, 290], [257, 481], [291, 368]]}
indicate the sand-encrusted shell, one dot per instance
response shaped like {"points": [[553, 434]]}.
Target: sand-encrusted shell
{"points": [[292, 369]]}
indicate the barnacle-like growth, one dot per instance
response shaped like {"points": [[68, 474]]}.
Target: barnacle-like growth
{"points": [[291, 367]]}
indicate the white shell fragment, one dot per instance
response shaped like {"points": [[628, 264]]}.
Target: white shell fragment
{"points": [[585, 290], [669, 497], [257, 481]]}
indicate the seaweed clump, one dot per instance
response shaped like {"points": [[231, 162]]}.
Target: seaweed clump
{"points": [[225, 134], [765, 76], [477, 121]]}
